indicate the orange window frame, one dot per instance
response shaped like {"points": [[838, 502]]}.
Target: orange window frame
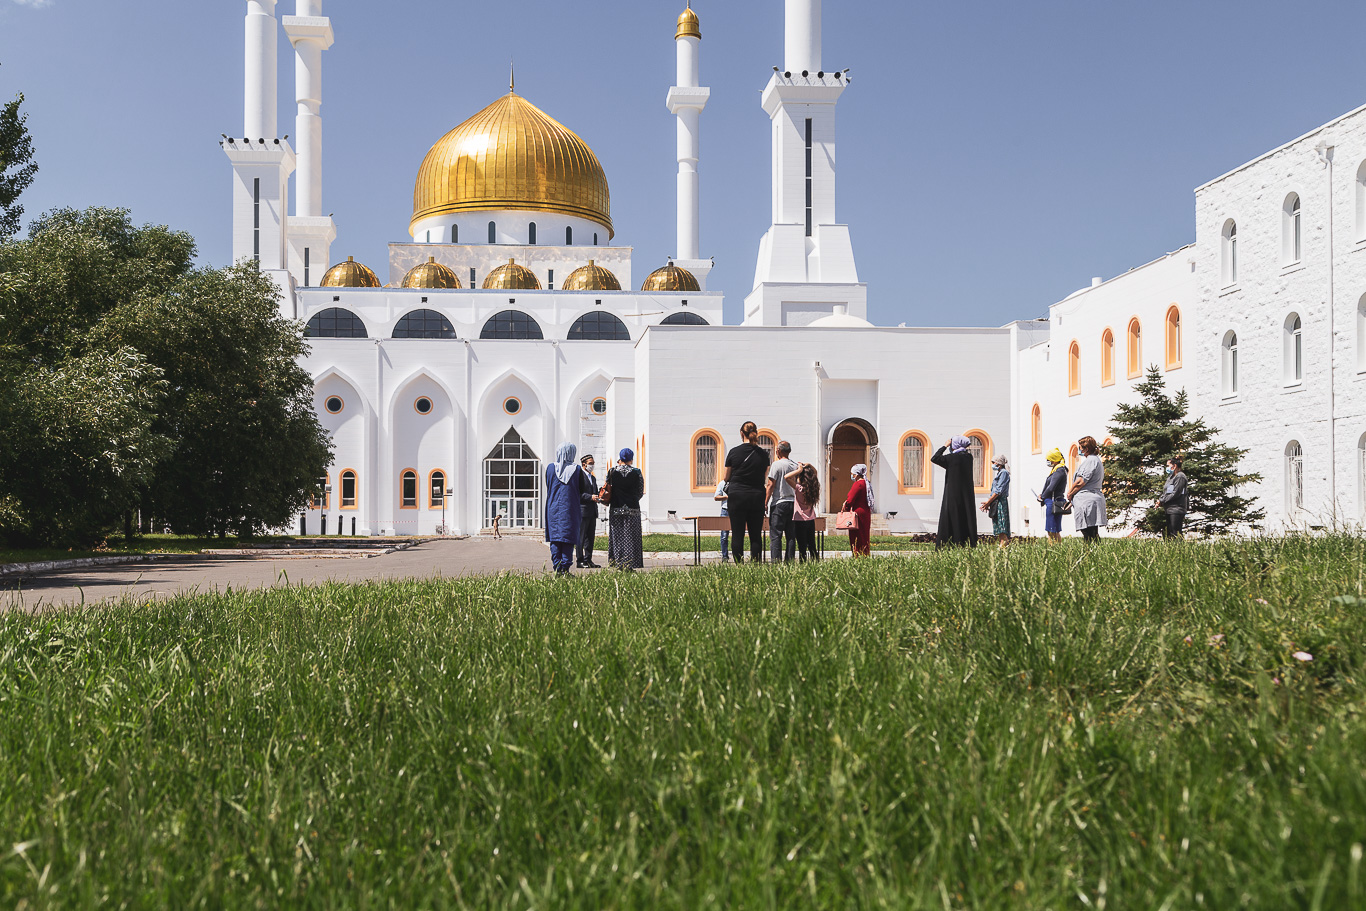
{"points": [[1107, 357], [341, 493], [692, 459], [926, 487], [433, 503], [1133, 337], [417, 494], [1035, 429], [1173, 337], [988, 448], [1071, 462], [1074, 368]]}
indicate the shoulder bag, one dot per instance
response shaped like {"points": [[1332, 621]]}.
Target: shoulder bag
{"points": [[846, 520], [1062, 507]]}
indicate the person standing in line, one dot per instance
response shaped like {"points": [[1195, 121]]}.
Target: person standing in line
{"points": [[588, 506], [998, 504], [625, 549], [745, 475], [1088, 503], [778, 494], [1175, 498], [1052, 496], [860, 501], [723, 498], [957, 522], [563, 518], [806, 493]]}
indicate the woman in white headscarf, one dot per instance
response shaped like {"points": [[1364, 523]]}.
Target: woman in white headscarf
{"points": [[563, 498], [861, 501]]}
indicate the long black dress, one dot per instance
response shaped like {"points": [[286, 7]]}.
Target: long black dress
{"points": [[957, 517]]}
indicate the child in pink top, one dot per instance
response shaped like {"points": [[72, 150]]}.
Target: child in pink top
{"points": [[806, 484]]}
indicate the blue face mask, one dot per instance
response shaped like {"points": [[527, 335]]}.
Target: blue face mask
{"points": [[1169, 469]]}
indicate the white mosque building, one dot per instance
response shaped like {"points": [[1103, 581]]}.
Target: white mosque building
{"points": [[509, 324]]}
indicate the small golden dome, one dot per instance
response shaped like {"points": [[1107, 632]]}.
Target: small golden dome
{"points": [[671, 278], [512, 277], [688, 26], [431, 274], [591, 277], [512, 155], [349, 274]]}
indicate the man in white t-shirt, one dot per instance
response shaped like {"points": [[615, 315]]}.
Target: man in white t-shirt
{"points": [[780, 497]]}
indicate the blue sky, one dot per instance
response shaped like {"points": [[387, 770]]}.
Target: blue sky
{"points": [[992, 156]]}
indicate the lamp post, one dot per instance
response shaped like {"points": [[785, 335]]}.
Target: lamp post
{"points": [[327, 498], [445, 495]]}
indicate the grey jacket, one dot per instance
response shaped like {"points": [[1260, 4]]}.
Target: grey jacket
{"points": [[1175, 497]]}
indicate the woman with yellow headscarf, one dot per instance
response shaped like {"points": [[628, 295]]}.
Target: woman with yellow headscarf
{"points": [[1051, 497]]}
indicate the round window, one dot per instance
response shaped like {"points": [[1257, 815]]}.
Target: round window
{"points": [[334, 404], [423, 405], [512, 405], [599, 406]]}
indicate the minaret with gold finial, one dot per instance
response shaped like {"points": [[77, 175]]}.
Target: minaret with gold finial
{"points": [[686, 101]]}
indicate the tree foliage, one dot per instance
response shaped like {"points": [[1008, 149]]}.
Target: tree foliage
{"points": [[1147, 434], [17, 167]]}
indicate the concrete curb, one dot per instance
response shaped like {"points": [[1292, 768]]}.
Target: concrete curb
{"points": [[41, 567]]}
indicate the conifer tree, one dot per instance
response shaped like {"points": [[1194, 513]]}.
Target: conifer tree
{"points": [[1148, 433], [17, 168]]}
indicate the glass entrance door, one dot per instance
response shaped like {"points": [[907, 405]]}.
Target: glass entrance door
{"points": [[512, 484]]}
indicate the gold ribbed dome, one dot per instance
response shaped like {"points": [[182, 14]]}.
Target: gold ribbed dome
{"points": [[512, 277], [350, 274], [671, 278], [431, 274], [688, 26], [591, 277], [512, 155]]}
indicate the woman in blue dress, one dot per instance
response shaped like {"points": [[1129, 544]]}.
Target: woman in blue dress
{"points": [[1053, 490], [563, 506]]}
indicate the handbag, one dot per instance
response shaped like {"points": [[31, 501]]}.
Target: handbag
{"points": [[1062, 507], [605, 495], [846, 520]]}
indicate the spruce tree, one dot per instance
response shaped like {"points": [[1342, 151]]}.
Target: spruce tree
{"points": [[1148, 433]]}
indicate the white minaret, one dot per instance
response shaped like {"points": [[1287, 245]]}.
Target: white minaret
{"points": [[806, 259], [310, 232], [261, 161], [686, 101]]}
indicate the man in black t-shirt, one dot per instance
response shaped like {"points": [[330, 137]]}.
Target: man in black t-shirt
{"points": [[745, 475]]}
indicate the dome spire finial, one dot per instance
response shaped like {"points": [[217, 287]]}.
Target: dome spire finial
{"points": [[512, 76]]}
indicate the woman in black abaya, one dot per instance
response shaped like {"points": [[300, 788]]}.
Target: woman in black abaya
{"points": [[957, 517]]}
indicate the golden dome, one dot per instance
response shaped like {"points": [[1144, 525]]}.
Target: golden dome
{"points": [[591, 277], [671, 278], [688, 26], [431, 274], [349, 274], [512, 277], [512, 155]]}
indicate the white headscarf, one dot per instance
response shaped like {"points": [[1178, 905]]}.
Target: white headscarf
{"points": [[861, 471], [565, 464]]}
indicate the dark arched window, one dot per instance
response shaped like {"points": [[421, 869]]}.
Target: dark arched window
{"points": [[511, 324], [531, 234], [493, 233], [599, 325], [595, 238], [334, 322], [684, 318], [569, 237], [455, 234], [424, 324]]}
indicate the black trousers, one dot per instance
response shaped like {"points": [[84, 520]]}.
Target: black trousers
{"points": [[588, 532], [746, 507], [1175, 519], [1092, 533], [805, 533]]}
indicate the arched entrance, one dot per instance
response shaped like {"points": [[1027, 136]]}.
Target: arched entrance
{"points": [[851, 441], [512, 483]]}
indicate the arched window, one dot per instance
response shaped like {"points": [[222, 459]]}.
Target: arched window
{"points": [[1230, 364], [436, 486], [569, 236], [408, 489], [334, 322], [424, 324], [1290, 229], [1173, 324], [979, 444], [1134, 346], [531, 234], [455, 234], [511, 324], [348, 489], [493, 232], [706, 449], [1035, 429], [326, 501], [1107, 358], [684, 318], [915, 463], [1072, 460], [599, 325], [1361, 334], [1294, 350], [768, 442], [1294, 477], [1074, 368], [595, 238], [1229, 260]]}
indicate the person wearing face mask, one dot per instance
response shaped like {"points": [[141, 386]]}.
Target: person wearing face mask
{"points": [[957, 521], [860, 500], [998, 504], [588, 505], [1175, 499], [1053, 489]]}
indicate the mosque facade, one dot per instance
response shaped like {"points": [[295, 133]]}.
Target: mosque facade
{"points": [[512, 323]]}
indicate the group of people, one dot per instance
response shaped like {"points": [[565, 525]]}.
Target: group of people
{"points": [[752, 484], [572, 498]]}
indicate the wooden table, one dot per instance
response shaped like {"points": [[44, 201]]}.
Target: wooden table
{"points": [[722, 523]]}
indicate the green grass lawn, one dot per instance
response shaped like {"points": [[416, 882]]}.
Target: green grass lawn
{"points": [[1124, 727], [711, 543]]}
